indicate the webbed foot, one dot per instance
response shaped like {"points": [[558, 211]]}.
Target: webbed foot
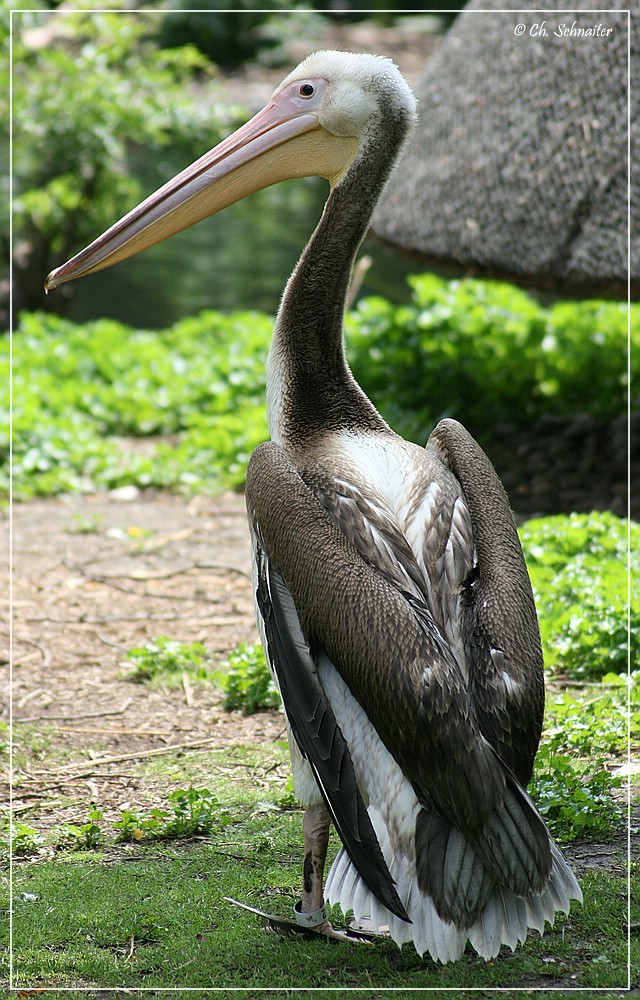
{"points": [[310, 925]]}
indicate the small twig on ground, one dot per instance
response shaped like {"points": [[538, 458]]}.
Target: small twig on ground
{"points": [[223, 566], [66, 718], [237, 620], [108, 581], [96, 577], [23, 793], [108, 642], [132, 948], [137, 574], [185, 964], [162, 574], [137, 755], [21, 661], [25, 807], [161, 540], [32, 694], [111, 732], [188, 690], [46, 653]]}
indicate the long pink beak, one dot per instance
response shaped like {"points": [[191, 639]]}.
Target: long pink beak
{"points": [[283, 141]]}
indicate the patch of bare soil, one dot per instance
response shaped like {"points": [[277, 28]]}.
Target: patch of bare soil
{"points": [[155, 565]]}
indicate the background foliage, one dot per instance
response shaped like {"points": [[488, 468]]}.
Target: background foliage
{"points": [[81, 130], [103, 405], [580, 567], [488, 353]]}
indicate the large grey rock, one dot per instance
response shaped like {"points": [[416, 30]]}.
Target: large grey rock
{"points": [[518, 167]]}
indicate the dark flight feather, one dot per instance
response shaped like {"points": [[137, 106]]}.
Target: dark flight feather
{"points": [[318, 735]]}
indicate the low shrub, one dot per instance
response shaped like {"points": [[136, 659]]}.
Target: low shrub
{"points": [[481, 352], [247, 682], [579, 566], [487, 353]]}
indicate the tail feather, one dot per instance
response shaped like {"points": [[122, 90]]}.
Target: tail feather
{"points": [[449, 870], [537, 913], [489, 926], [459, 869], [505, 918], [360, 897], [515, 927], [469, 880], [563, 880], [519, 842]]}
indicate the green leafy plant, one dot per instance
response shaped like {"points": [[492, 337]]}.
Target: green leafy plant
{"points": [[487, 353], [79, 390], [25, 839], [578, 566], [83, 836], [194, 812], [596, 721], [247, 682], [573, 784], [133, 827], [575, 797], [166, 660], [191, 812]]}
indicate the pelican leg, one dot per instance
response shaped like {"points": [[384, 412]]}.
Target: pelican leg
{"points": [[315, 826], [310, 912]]}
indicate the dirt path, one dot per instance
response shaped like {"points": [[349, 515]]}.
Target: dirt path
{"points": [[154, 565]]}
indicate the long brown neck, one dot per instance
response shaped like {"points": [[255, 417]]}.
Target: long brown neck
{"points": [[310, 388]]}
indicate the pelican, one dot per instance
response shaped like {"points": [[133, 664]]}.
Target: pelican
{"points": [[392, 594]]}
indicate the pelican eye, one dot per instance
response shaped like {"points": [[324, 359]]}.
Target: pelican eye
{"points": [[307, 90]]}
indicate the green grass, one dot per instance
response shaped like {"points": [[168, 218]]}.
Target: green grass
{"points": [[153, 914], [157, 917]]}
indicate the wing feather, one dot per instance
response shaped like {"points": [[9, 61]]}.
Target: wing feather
{"points": [[317, 733], [502, 637]]}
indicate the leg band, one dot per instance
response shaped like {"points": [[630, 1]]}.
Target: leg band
{"points": [[313, 919]]}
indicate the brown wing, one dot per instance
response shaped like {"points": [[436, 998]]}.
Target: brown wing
{"points": [[503, 638]]}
